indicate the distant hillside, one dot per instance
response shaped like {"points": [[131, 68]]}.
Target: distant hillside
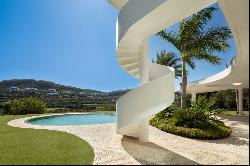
{"points": [[45, 85], [41, 85], [62, 96]]}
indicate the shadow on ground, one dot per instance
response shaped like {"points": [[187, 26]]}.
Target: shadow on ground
{"points": [[240, 134], [241, 119], [151, 154]]}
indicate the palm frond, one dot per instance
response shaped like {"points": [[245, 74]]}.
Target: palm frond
{"points": [[195, 41], [191, 63], [215, 39], [202, 17], [169, 59], [170, 37], [214, 59]]}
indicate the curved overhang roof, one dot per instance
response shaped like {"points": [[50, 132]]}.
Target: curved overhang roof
{"points": [[118, 3], [237, 74], [237, 16]]}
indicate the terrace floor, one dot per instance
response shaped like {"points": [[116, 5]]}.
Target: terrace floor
{"points": [[163, 148]]}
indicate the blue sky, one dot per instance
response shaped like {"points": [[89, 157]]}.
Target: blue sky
{"points": [[72, 42]]}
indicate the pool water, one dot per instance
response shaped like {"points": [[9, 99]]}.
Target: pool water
{"points": [[73, 119]]}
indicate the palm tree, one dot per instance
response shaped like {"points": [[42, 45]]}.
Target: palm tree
{"points": [[194, 41], [169, 59]]}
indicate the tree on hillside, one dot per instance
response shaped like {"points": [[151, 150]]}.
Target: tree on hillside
{"points": [[195, 41]]}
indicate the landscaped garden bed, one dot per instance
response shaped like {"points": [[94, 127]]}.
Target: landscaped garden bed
{"points": [[198, 122]]}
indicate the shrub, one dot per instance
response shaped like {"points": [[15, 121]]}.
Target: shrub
{"points": [[201, 113], [198, 122], [106, 107], [215, 132], [165, 114], [66, 110], [25, 106], [6, 108], [214, 129]]}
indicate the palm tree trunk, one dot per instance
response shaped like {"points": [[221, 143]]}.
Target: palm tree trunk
{"points": [[183, 86]]}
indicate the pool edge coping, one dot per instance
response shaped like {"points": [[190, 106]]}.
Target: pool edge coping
{"points": [[61, 114], [21, 122]]}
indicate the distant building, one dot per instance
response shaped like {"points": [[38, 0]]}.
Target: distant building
{"points": [[67, 92], [52, 92], [14, 89], [96, 94], [30, 90], [82, 93], [65, 95]]}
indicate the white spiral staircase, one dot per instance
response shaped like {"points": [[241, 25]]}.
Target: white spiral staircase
{"points": [[137, 21]]}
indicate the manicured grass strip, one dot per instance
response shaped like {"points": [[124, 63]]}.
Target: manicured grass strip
{"points": [[30, 146], [245, 113]]}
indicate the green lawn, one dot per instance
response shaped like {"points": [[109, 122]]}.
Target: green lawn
{"points": [[30, 146], [245, 113]]}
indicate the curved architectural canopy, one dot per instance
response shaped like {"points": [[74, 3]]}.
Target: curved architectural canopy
{"points": [[237, 74], [118, 3]]}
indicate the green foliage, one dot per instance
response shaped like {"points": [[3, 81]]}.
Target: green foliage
{"points": [[107, 107], [199, 121], [164, 115], [226, 99], [25, 106], [213, 130], [201, 113], [217, 131], [233, 113], [68, 97], [63, 110], [196, 41], [89, 108], [169, 59]]}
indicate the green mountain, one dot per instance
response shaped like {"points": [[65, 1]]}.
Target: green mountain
{"points": [[40, 85], [55, 95]]}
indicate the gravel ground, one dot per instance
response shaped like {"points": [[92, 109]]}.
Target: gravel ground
{"points": [[163, 148]]}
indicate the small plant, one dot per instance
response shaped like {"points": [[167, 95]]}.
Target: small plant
{"points": [[201, 113], [166, 113]]}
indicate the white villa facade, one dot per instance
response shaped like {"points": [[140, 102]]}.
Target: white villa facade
{"points": [[140, 19]]}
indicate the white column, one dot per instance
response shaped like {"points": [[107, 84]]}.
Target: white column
{"points": [[144, 63], [240, 92], [237, 100], [193, 96], [144, 78], [144, 130]]}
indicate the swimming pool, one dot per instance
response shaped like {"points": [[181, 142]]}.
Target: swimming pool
{"points": [[73, 119]]}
